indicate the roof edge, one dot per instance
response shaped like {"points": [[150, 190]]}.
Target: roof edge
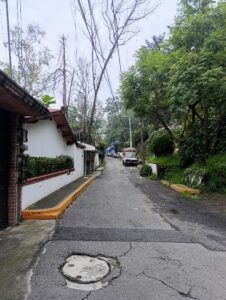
{"points": [[17, 90]]}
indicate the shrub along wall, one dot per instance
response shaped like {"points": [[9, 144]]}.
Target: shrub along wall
{"points": [[37, 166]]}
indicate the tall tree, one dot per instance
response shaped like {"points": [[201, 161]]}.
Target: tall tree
{"points": [[191, 7], [83, 90], [63, 76], [197, 81], [143, 87], [117, 122], [31, 59], [119, 18]]}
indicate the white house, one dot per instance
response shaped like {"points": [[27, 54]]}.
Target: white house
{"points": [[51, 136], [15, 104]]}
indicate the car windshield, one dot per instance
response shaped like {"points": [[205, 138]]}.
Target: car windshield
{"points": [[130, 154]]}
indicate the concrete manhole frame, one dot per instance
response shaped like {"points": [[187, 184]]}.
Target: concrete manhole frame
{"points": [[114, 271]]}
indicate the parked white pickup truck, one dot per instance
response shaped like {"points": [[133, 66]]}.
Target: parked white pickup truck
{"points": [[129, 157]]}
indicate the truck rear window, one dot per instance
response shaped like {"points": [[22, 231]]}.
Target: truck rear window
{"points": [[130, 155]]}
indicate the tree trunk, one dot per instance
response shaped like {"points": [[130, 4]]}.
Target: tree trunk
{"points": [[165, 125]]}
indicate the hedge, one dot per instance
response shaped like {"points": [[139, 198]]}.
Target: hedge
{"points": [[145, 171], [37, 166], [161, 143]]}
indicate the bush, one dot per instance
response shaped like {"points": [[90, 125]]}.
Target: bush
{"points": [[145, 171], [153, 177], [192, 148], [217, 179], [161, 143], [217, 134], [196, 177], [37, 166], [211, 178], [195, 146]]}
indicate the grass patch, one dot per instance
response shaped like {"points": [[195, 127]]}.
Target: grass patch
{"points": [[215, 167], [211, 162], [216, 160], [174, 176], [165, 160]]}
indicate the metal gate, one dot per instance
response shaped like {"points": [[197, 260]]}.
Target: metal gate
{"points": [[89, 162]]}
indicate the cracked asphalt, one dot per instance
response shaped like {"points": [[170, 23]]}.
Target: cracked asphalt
{"points": [[168, 247]]}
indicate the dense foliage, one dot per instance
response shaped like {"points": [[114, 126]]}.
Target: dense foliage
{"points": [[177, 85], [145, 171], [161, 143], [179, 81], [37, 166]]}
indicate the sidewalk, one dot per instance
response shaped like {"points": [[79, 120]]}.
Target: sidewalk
{"points": [[20, 245], [52, 206], [19, 249]]}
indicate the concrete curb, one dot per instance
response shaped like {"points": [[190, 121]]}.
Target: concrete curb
{"points": [[184, 189], [181, 188], [56, 211]]}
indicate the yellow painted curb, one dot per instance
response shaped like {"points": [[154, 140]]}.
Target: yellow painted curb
{"points": [[56, 211], [184, 189]]}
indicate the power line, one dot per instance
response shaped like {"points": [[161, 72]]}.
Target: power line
{"points": [[9, 43], [2, 33], [74, 16]]}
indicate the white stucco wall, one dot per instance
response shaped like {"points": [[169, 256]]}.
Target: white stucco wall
{"points": [[97, 160], [154, 168], [33, 192], [79, 162], [89, 147], [44, 139]]}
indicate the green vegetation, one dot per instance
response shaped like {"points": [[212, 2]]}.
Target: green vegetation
{"points": [[177, 86], [207, 176], [165, 160], [161, 143], [174, 175], [37, 166], [210, 176], [153, 177], [217, 160], [145, 171], [48, 100]]}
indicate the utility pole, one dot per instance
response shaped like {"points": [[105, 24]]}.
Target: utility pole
{"points": [[63, 42], [130, 134], [9, 43], [70, 90], [142, 140]]}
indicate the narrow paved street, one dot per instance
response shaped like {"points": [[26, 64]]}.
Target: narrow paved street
{"points": [[166, 247]]}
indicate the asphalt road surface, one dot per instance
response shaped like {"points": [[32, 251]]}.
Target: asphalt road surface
{"points": [[167, 247]]}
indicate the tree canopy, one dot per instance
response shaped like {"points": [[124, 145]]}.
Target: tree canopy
{"points": [[179, 81]]}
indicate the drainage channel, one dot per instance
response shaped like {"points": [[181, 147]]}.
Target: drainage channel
{"points": [[89, 273]]}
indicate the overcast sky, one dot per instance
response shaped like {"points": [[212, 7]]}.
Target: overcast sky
{"points": [[56, 18]]}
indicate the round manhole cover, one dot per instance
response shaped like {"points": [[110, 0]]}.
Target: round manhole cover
{"points": [[85, 269]]}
